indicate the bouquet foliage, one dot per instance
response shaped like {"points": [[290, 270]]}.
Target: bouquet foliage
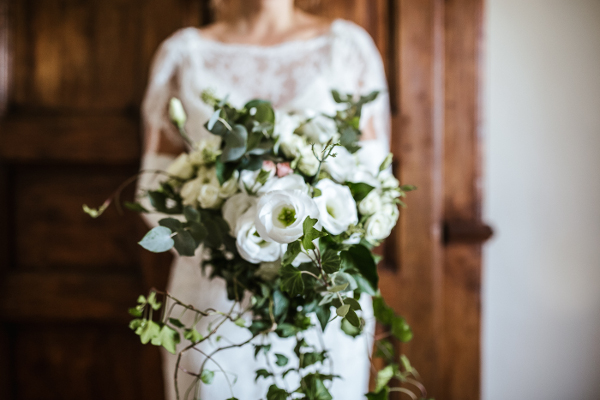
{"points": [[284, 213]]}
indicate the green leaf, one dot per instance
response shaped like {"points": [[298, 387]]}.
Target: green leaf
{"points": [[262, 373], [360, 258], [137, 207], [184, 243], [337, 97], [293, 249], [169, 338], [135, 312], [382, 395], [136, 323], [323, 315], [384, 376], [95, 212], [281, 360], [408, 188], [316, 389], [149, 331], [401, 330], [286, 330], [241, 322], [207, 376], [350, 329], [343, 310], [330, 261], [310, 233], [158, 240], [198, 232], [263, 110], [291, 281], [224, 170], [276, 393], [177, 323], [152, 301], [353, 318], [213, 119], [235, 144], [280, 303], [308, 359], [384, 349], [191, 214], [192, 335], [359, 190], [338, 288], [173, 224]]}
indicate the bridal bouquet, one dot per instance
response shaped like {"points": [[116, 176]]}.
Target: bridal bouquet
{"points": [[284, 213]]}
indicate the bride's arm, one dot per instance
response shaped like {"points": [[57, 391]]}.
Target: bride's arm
{"points": [[161, 141], [375, 121]]}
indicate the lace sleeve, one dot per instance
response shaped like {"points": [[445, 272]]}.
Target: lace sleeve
{"points": [[369, 75], [157, 128]]}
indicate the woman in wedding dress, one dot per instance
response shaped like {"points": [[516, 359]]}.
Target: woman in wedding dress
{"points": [[267, 49]]}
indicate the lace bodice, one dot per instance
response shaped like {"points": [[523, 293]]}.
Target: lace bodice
{"points": [[295, 75]]}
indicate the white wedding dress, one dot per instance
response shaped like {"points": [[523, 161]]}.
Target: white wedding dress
{"points": [[295, 75]]}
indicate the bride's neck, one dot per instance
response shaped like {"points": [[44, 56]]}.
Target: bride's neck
{"points": [[264, 18]]}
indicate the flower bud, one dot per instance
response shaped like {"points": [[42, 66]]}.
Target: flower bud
{"points": [[176, 112], [386, 162]]}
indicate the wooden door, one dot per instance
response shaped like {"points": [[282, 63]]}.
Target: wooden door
{"points": [[72, 74]]}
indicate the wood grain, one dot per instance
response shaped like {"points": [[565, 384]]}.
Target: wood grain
{"points": [[461, 359]]}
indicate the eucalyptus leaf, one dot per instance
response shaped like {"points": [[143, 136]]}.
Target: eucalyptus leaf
{"points": [[158, 240], [235, 144], [342, 310]]}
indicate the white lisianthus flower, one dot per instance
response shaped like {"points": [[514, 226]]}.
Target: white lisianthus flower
{"points": [[319, 129], [230, 186], [281, 214], [288, 182], [353, 239], [308, 164], [176, 112], [341, 166], [250, 245], [234, 208], [206, 151], [268, 270], [361, 174], [181, 167], [336, 205], [209, 196], [190, 191], [248, 181], [285, 125], [388, 181], [379, 226], [370, 204], [292, 145]]}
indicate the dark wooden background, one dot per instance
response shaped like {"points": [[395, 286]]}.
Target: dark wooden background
{"points": [[72, 75]]}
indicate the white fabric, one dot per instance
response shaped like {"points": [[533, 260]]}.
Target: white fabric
{"points": [[295, 75]]}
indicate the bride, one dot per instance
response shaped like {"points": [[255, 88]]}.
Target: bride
{"points": [[267, 49]]}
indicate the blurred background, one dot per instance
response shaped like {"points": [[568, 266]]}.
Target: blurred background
{"points": [[496, 118]]}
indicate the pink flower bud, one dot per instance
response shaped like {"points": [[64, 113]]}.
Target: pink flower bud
{"points": [[284, 169], [268, 165]]}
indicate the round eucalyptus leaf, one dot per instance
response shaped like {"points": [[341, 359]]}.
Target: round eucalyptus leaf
{"points": [[158, 240]]}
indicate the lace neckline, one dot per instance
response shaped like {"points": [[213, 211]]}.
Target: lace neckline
{"points": [[309, 43]]}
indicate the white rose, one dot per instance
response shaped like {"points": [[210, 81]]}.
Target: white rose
{"points": [[379, 226], [176, 112], [354, 238], [288, 182], [337, 208], [319, 129], [292, 145], [268, 270], [252, 247], [181, 167], [281, 214], [285, 125], [341, 166], [308, 164], [391, 209], [370, 204], [209, 196], [234, 208], [230, 186]]}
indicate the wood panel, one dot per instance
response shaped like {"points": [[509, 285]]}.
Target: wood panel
{"points": [[418, 139], [462, 201], [52, 232]]}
